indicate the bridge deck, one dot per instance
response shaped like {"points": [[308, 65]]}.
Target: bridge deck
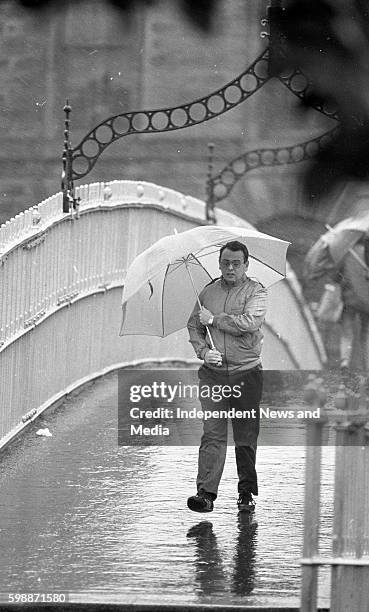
{"points": [[109, 524]]}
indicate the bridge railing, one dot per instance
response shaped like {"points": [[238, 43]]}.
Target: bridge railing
{"points": [[81, 256], [61, 279]]}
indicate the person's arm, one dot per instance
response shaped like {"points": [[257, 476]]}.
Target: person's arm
{"points": [[249, 321]]}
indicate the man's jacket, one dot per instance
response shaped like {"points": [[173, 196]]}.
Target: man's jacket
{"points": [[239, 312]]}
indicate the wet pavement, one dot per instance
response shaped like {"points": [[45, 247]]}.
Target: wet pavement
{"points": [[80, 515]]}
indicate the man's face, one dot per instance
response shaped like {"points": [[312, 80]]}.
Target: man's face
{"points": [[232, 266]]}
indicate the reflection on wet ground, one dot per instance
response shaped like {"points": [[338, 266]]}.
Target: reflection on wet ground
{"points": [[108, 523], [211, 575]]}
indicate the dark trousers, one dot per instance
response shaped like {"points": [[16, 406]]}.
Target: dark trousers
{"points": [[213, 447]]}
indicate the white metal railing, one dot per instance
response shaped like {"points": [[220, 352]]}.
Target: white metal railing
{"points": [[61, 276], [81, 256]]}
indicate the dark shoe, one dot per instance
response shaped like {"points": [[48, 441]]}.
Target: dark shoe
{"points": [[201, 502], [246, 503]]}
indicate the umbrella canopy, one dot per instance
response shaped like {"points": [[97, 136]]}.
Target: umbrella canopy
{"points": [[343, 236], [328, 252], [162, 282]]}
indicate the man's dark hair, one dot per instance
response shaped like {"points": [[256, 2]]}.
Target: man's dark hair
{"points": [[234, 245]]}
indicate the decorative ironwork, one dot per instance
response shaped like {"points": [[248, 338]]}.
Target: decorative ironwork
{"points": [[85, 155], [28, 416], [36, 241], [33, 320], [220, 185], [70, 202], [274, 20], [67, 298], [79, 161], [67, 183], [299, 84]]}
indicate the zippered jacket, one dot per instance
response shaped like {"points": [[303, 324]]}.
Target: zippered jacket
{"points": [[239, 312]]}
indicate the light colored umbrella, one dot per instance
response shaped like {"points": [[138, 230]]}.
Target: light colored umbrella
{"points": [[328, 252], [162, 282], [343, 236]]}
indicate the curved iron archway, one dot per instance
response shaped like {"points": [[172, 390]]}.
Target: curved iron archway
{"points": [[219, 186], [79, 161], [169, 119]]}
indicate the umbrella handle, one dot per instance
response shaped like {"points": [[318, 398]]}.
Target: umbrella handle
{"points": [[207, 328], [200, 306], [210, 338]]}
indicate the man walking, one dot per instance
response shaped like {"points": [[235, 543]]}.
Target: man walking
{"points": [[233, 308]]}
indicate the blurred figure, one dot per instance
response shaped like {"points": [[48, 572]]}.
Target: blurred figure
{"points": [[354, 280], [342, 254]]}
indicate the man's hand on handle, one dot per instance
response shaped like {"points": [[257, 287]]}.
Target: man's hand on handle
{"points": [[213, 357]]}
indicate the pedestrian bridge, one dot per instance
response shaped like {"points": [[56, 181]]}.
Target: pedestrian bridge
{"points": [[61, 279]]}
